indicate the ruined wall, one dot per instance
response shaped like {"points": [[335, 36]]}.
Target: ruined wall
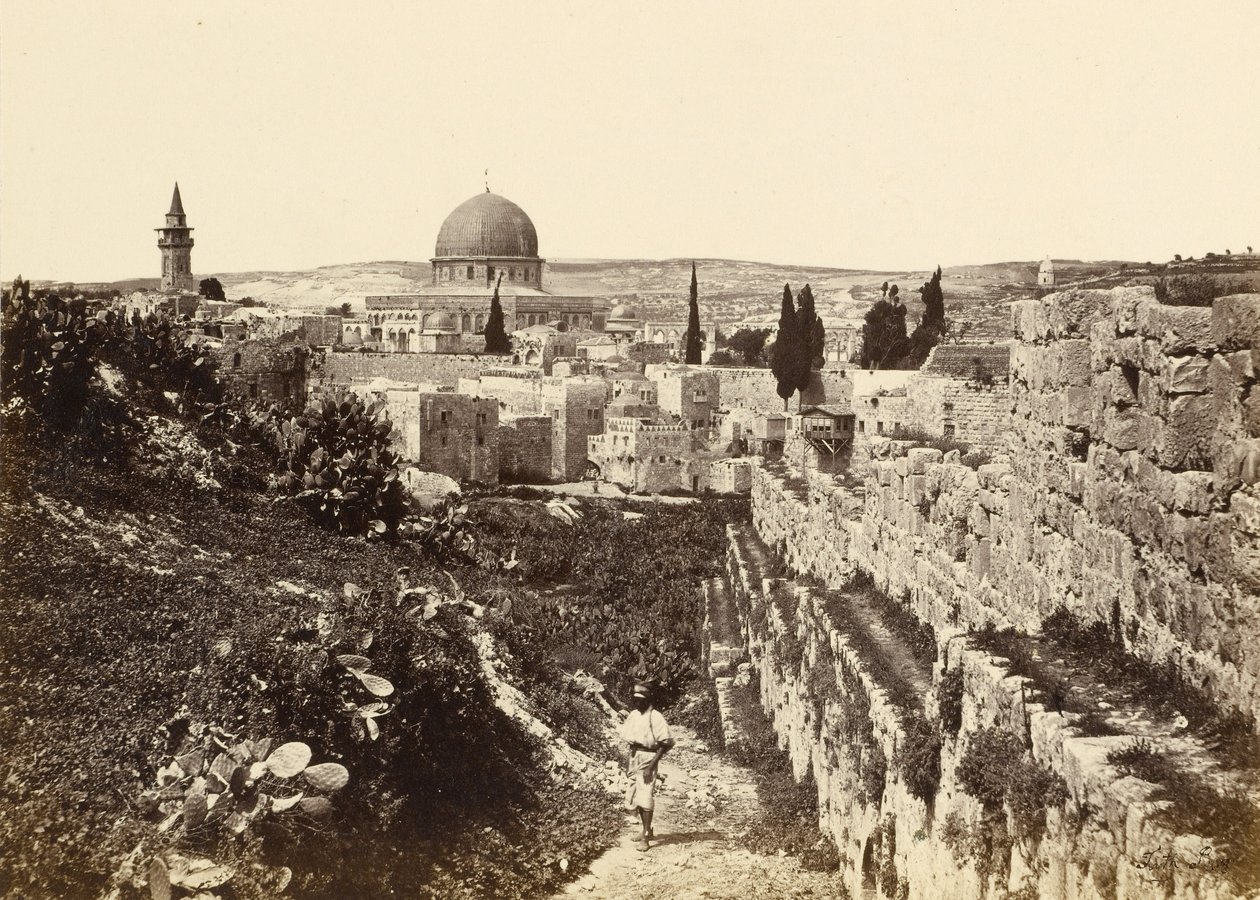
{"points": [[265, 369], [1128, 497], [519, 391]]}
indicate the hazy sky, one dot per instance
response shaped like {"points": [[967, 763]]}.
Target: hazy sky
{"points": [[872, 134]]}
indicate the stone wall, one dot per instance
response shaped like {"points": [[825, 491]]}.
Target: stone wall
{"points": [[1128, 497], [576, 407], [341, 369], [268, 370], [814, 676], [525, 450], [747, 388]]}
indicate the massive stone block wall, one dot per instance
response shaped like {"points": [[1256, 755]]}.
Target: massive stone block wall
{"points": [[1129, 495], [265, 369], [1099, 845]]}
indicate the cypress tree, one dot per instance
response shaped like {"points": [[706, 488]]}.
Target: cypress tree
{"points": [[932, 326], [693, 344], [785, 362], [813, 336], [496, 336]]}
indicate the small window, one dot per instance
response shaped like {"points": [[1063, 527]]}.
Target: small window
{"points": [[949, 430], [446, 414], [470, 272], [861, 426], [948, 407], [443, 438], [253, 390], [879, 427], [236, 360]]}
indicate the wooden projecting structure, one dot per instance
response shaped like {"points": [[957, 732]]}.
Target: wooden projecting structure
{"points": [[826, 429]]}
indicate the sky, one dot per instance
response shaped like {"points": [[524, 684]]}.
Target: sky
{"points": [[873, 135]]}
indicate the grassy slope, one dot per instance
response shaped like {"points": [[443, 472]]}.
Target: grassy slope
{"points": [[116, 587]]}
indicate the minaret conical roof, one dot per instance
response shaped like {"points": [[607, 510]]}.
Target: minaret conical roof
{"points": [[177, 205]]}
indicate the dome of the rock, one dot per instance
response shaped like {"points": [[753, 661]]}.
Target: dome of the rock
{"points": [[487, 225]]}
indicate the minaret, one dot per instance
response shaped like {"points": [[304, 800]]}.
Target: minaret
{"points": [[175, 241]]}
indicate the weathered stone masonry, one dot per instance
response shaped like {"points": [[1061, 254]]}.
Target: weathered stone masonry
{"points": [[1118, 505]]}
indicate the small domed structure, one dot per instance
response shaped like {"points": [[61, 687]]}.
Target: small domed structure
{"points": [[440, 323], [622, 313], [1045, 274]]}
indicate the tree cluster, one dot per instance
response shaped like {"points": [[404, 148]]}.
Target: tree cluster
{"points": [[885, 344], [800, 345]]}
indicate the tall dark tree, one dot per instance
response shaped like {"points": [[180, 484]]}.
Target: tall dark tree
{"points": [[932, 327], [211, 289], [813, 334], [692, 342], [496, 335], [785, 361]]}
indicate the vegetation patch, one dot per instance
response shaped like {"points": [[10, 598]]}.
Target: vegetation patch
{"points": [[996, 770], [790, 820]]}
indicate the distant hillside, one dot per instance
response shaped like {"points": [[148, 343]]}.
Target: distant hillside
{"points": [[976, 296]]}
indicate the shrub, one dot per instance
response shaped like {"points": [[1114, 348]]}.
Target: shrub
{"points": [[949, 700], [996, 770], [337, 464], [918, 758]]}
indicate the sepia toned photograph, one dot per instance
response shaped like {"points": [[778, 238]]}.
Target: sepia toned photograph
{"points": [[655, 451]]}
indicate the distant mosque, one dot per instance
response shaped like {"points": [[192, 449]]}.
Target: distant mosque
{"points": [[486, 240], [175, 242]]}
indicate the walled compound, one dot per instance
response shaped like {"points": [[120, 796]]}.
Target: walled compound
{"points": [[1126, 500]]}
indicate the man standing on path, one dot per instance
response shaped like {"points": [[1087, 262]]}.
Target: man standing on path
{"points": [[647, 733]]}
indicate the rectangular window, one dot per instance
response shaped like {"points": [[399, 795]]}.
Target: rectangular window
{"points": [[879, 427], [470, 272], [446, 414], [862, 426], [443, 438]]}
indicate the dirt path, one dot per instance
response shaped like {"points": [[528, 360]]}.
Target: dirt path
{"points": [[705, 804]]}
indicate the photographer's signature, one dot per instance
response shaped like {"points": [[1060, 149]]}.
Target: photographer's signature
{"points": [[1162, 862]]}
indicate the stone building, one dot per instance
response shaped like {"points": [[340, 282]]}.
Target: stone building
{"points": [[485, 237], [670, 334], [175, 241], [646, 457], [690, 394], [576, 407], [267, 370], [1045, 274], [442, 431]]}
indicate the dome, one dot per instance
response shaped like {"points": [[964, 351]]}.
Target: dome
{"points": [[621, 312], [487, 225], [442, 323], [1046, 265]]}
